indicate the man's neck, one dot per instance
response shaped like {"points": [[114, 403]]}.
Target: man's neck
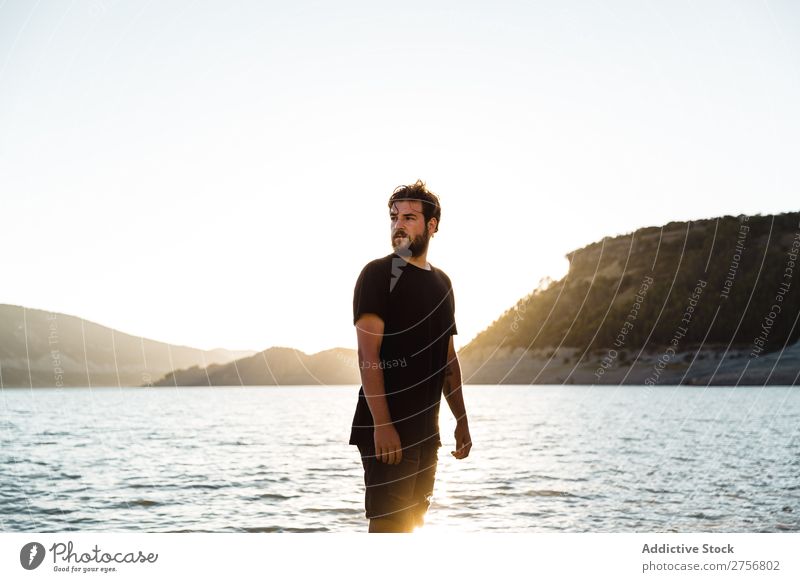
{"points": [[420, 261]]}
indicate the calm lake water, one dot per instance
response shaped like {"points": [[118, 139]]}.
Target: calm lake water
{"points": [[276, 459]]}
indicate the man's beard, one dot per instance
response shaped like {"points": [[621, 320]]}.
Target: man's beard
{"points": [[417, 246]]}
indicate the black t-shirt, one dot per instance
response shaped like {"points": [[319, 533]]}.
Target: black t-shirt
{"points": [[418, 312]]}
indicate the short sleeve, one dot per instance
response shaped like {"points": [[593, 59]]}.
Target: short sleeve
{"points": [[371, 294], [451, 297]]}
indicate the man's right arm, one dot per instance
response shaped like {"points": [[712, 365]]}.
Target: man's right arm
{"points": [[369, 329]]}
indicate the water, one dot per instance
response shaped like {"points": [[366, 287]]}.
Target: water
{"points": [[275, 459]]}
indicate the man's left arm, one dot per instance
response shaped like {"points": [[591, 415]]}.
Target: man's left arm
{"points": [[455, 400]]}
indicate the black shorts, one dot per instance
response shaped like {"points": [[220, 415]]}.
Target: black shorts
{"points": [[402, 491]]}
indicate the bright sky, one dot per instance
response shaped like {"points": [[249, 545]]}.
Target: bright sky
{"points": [[216, 174]]}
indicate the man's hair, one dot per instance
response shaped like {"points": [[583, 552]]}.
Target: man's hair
{"points": [[418, 191]]}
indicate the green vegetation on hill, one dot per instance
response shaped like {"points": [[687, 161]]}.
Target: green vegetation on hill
{"points": [[711, 281]]}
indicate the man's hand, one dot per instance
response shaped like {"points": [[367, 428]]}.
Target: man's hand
{"points": [[387, 444], [454, 393], [463, 440]]}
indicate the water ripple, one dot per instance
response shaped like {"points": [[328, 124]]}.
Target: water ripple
{"points": [[564, 458]]}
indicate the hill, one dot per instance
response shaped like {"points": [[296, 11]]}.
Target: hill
{"points": [[655, 306], [275, 366], [47, 349]]}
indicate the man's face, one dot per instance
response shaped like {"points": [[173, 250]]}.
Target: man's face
{"points": [[410, 234]]}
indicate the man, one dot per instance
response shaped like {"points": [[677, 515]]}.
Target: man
{"points": [[404, 313]]}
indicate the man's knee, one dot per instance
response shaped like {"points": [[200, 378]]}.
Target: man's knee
{"points": [[389, 525]]}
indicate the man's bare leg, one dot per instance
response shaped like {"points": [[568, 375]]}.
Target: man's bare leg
{"points": [[388, 525]]}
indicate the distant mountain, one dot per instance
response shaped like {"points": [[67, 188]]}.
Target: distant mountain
{"points": [[701, 302], [46, 349], [272, 367]]}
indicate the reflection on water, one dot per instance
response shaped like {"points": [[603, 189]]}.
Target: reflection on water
{"points": [[275, 459]]}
